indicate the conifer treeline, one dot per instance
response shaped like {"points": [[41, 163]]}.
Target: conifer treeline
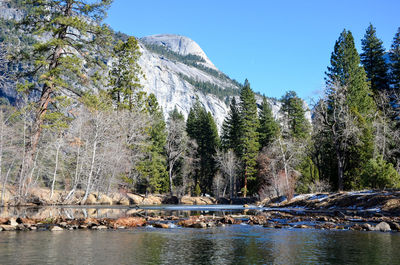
{"points": [[94, 129]]}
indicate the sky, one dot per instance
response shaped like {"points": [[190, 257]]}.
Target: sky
{"points": [[278, 45]]}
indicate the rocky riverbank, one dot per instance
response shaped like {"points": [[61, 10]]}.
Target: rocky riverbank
{"points": [[273, 218], [386, 203], [43, 197]]}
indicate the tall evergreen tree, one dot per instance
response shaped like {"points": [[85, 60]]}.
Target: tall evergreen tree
{"points": [[125, 73], [231, 128], [249, 137], [202, 128], [395, 61], [72, 42], [295, 121], [153, 167], [345, 71], [372, 58], [269, 127]]}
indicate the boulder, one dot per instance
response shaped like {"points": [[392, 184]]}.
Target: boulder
{"points": [[8, 227], [91, 199], [123, 201], [129, 222], [161, 225], [199, 225], [367, 227], [134, 199], [56, 228], [12, 222], [383, 227], [100, 227], [152, 200], [187, 200], [394, 226], [104, 200], [170, 200]]}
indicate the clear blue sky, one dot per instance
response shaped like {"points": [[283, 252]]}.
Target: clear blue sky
{"points": [[278, 45]]}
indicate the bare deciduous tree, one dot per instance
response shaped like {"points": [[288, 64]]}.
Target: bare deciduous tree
{"points": [[176, 147], [333, 115], [228, 164]]}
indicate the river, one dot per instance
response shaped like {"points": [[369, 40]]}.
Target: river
{"points": [[236, 244]]}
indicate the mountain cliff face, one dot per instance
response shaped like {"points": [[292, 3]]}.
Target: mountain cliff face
{"points": [[173, 81]]}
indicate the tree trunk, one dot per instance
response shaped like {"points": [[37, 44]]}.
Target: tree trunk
{"points": [[91, 170], [55, 171], [170, 177], [245, 183]]}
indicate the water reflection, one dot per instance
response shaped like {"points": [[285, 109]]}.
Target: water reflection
{"points": [[116, 211], [230, 245]]}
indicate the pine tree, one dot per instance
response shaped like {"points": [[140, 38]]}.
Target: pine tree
{"points": [[372, 58], [346, 71], [295, 121], [249, 137], [231, 128], [125, 73], [395, 61], [153, 167], [346, 74], [269, 127], [73, 41], [201, 127]]}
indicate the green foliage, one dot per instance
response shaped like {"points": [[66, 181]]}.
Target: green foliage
{"points": [[345, 72], [125, 73], [379, 174], [71, 49], [96, 102], [372, 58], [269, 127], [153, 167], [345, 69], [295, 120], [197, 190], [249, 136], [395, 61], [201, 127], [231, 129], [309, 175]]}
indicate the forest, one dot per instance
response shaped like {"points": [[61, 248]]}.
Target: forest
{"points": [[80, 122]]}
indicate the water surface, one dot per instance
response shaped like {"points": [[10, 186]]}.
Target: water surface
{"points": [[237, 244]]}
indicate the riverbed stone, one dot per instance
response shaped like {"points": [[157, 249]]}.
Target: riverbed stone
{"points": [[100, 227], [91, 199], [134, 199], [56, 228], [367, 227], [8, 227], [199, 225], [104, 200], [383, 227], [12, 221], [394, 226], [129, 222], [161, 225]]}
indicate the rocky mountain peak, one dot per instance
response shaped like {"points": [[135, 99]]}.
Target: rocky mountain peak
{"points": [[179, 44]]}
